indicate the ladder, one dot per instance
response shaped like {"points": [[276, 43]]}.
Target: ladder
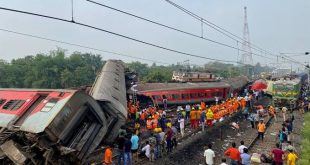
{"points": [[134, 97]]}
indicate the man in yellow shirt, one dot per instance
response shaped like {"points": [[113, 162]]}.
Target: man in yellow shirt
{"points": [[261, 128], [291, 158], [209, 116]]}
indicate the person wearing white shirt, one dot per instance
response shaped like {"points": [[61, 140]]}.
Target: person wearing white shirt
{"points": [[209, 155], [246, 98], [188, 110], [181, 121], [147, 149], [241, 147], [216, 99], [284, 111]]}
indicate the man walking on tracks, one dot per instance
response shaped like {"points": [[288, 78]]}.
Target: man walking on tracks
{"points": [[291, 158], [284, 111], [261, 128], [277, 155]]}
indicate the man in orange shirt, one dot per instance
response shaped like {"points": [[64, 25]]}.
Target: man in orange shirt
{"points": [[261, 128], [235, 105], [107, 160], [193, 118], [242, 103], [202, 105], [197, 117], [233, 154], [272, 112]]}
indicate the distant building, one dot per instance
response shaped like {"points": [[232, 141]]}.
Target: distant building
{"points": [[193, 76], [281, 72]]}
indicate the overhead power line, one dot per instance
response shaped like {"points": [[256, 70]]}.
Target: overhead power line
{"points": [[116, 34], [218, 28], [175, 29], [81, 46]]}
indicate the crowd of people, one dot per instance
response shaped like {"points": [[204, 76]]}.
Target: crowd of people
{"points": [[283, 151], [156, 130]]}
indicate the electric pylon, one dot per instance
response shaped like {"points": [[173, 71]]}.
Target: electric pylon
{"points": [[246, 55]]}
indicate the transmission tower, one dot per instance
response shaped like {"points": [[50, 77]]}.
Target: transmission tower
{"points": [[246, 56]]}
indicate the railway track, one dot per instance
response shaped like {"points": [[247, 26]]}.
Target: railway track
{"points": [[271, 135]]}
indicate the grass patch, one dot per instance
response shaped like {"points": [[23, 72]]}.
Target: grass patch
{"points": [[305, 144]]}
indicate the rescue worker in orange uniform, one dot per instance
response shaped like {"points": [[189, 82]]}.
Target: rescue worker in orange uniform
{"points": [[209, 116], [202, 105], [134, 109], [149, 123], [193, 117], [107, 159], [242, 103], [154, 123], [198, 117], [235, 105], [142, 117], [272, 112], [228, 103]]}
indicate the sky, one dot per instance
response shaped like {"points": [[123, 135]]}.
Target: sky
{"points": [[279, 26]]}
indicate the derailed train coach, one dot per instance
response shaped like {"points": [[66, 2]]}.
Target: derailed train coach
{"points": [[191, 92], [40, 126]]}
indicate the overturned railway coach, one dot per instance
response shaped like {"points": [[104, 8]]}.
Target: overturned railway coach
{"points": [[189, 92], [39, 126]]}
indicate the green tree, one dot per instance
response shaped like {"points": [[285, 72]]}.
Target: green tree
{"points": [[52, 70]]}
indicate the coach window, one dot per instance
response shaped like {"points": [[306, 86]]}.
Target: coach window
{"points": [[13, 105], [208, 94], [185, 96], [156, 97], [175, 96], [194, 95], [50, 104], [169, 96], [2, 101], [201, 95]]}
